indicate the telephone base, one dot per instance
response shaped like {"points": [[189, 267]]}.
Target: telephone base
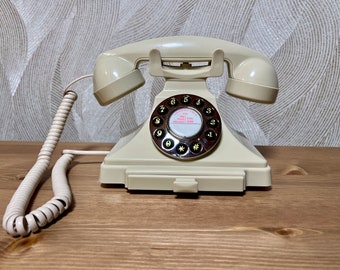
{"points": [[231, 166]]}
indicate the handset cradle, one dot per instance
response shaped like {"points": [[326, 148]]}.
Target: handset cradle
{"points": [[184, 146]]}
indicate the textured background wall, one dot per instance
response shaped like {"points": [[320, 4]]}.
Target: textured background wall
{"points": [[46, 44]]}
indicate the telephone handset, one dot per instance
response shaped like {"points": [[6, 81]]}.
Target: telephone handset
{"points": [[251, 75], [183, 147]]}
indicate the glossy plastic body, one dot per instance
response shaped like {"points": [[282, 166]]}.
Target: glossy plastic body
{"points": [[231, 167], [136, 163]]}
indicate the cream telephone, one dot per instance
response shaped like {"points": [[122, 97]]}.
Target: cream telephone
{"points": [[184, 146]]}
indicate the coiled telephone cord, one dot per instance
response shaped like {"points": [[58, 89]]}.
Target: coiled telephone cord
{"points": [[15, 222]]}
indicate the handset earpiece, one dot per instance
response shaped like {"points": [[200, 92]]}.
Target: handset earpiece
{"points": [[253, 79], [114, 77]]}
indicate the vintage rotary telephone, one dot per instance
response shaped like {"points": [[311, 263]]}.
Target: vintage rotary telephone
{"points": [[184, 146]]}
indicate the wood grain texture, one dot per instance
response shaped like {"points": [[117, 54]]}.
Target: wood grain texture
{"points": [[295, 225]]}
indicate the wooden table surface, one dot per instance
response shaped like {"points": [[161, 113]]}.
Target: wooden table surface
{"points": [[295, 225]]}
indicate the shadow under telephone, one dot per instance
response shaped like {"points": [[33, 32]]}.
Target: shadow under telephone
{"points": [[184, 146]]}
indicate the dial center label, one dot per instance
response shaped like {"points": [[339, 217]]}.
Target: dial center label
{"points": [[185, 122]]}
